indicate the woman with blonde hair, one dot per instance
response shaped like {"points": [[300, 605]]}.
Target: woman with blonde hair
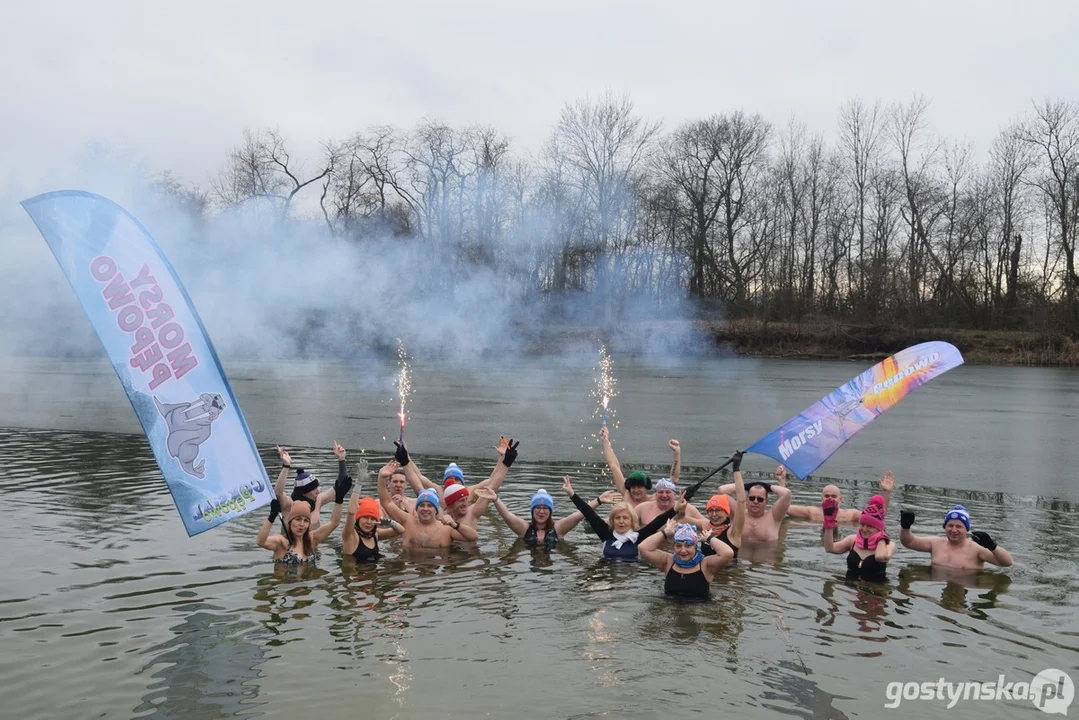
{"points": [[622, 530]]}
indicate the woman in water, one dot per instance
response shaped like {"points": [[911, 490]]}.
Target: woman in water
{"points": [[542, 531], [622, 530], [724, 524], [360, 538], [688, 573], [297, 543], [869, 549]]}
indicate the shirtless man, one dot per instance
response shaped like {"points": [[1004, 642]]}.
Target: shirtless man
{"points": [[665, 498], [762, 522], [398, 483], [955, 550], [635, 487], [306, 485], [424, 528], [848, 516]]}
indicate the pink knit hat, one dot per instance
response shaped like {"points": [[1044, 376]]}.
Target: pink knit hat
{"points": [[873, 514]]}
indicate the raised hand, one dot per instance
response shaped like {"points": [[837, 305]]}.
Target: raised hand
{"points": [[275, 509], [737, 457], [887, 483], [611, 497], [388, 469], [830, 508], [341, 488], [983, 539], [906, 519], [604, 434], [485, 493], [510, 453], [338, 451], [669, 527], [674, 445], [282, 453], [567, 486], [362, 473], [781, 474], [680, 505], [401, 454]]}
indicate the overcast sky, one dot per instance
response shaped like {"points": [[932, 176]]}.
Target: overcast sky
{"points": [[176, 83]]}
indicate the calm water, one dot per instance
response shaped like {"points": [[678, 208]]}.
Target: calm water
{"points": [[109, 610]]}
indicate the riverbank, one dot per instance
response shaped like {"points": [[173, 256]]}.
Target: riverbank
{"points": [[842, 341], [814, 341]]}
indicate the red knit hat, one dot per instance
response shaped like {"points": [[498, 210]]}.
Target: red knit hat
{"points": [[369, 508], [453, 493]]}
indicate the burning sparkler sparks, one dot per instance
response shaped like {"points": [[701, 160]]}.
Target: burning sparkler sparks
{"points": [[605, 383], [404, 385]]}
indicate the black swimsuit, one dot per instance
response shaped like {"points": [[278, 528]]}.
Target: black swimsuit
{"points": [[868, 568], [549, 540], [706, 547], [691, 586], [364, 554]]}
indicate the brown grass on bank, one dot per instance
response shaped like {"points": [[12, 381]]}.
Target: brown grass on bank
{"points": [[838, 340]]}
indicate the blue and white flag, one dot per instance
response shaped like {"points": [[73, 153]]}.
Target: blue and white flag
{"points": [[161, 353]]}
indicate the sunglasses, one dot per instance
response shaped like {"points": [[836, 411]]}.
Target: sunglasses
{"points": [[753, 498]]}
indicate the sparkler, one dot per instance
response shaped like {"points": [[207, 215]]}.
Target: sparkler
{"points": [[404, 385], [606, 382]]}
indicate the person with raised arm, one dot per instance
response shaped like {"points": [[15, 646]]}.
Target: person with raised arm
{"points": [[306, 487], [298, 541], [955, 550], [541, 530], [424, 527], [636, 485], [688, 574], [463, 504], [845, 516], [869, 549], [621, 532], [398, 483], [359, 539], [762, 522], [723, 523], [664, 499]]}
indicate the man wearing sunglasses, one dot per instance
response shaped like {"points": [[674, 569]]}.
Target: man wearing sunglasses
{"points": [[762, 522]]}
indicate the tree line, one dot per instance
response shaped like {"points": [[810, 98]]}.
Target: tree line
{"points": [[888, 224]]}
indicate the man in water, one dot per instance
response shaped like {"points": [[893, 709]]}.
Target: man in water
{"points": [[848, 516], [636, 485], [954, 550], [398, 483], [762, 522], [424, 528], [665, 498], [464, 505]]}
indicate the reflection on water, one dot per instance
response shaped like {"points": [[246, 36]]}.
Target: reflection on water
{"points": [[142, 621]]}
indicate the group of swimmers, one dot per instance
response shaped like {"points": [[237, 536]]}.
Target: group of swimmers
{"points": [[664, 528]]}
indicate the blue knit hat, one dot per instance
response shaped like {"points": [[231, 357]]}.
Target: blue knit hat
{"points": [[452, 470], [958, 513], [430, 495], [542, 497]]}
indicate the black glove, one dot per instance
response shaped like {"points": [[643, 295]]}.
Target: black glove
{"points": [[275, 509], [401, 456], [983, 539], [767, 487], [906, 519], [341, 488], [737, 457], [511, 453]]}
